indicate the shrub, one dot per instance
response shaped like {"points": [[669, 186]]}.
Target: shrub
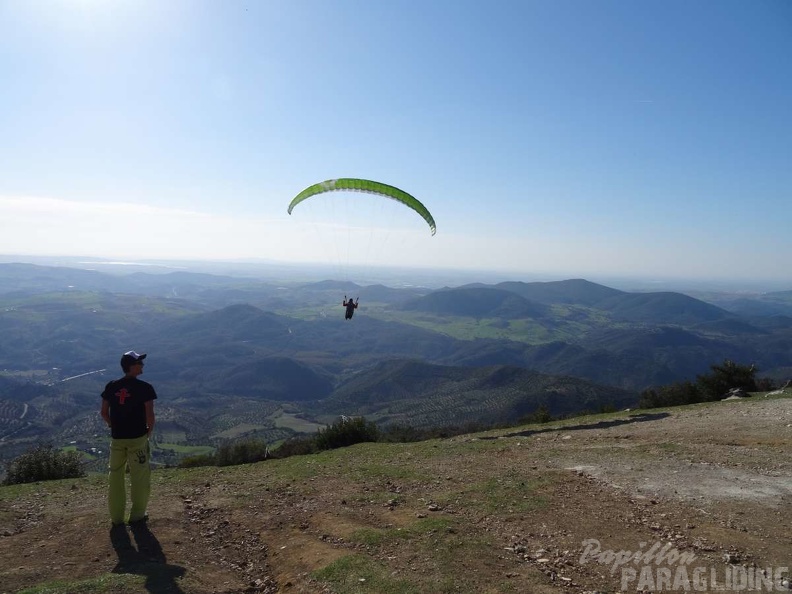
{"points": [[197, 460], [230, 454], [726, 376], [345, 432], [540, 415], [241, 452], [295, 446], [607, 408], [708, 387], [671, 395], [44, 463]]}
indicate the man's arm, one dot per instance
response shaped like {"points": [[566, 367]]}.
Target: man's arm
{"points": [[106, 411], [150, 416]]}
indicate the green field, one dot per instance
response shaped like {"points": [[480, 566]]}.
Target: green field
{"points": [[186, 450], [290, 421]]}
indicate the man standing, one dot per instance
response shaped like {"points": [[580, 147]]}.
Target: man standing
{"points": [[128, 409]]}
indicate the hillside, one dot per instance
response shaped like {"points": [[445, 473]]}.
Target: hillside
{"points": [[575, 291], [523, 509], [234, 357], [238, 395], [662, 308], [155, 309], [423, 395], [477, 303]]}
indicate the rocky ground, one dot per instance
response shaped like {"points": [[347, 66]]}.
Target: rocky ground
{"points": [[684, 499]]}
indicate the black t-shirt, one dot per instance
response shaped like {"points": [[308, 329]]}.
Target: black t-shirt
{"points": [[127, 397]]}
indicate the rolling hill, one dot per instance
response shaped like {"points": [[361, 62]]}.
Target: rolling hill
{"points": [[423, 395], [662, 308], [411, 355], [476, 303], [571, 292]]}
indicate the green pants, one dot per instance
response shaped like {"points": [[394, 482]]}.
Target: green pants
{"points": [[135, 453]]}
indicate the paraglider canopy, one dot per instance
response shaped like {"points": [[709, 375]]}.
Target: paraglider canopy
{"points": [[352, 184]]}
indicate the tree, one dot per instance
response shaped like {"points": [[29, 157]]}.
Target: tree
{"points": [[671, 395], [726, 376], [540, 415], [346, 432]]}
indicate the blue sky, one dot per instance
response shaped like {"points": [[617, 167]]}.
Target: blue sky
{"points": [[578, 138]]}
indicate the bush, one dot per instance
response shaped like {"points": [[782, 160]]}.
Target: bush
{"points": [[241, 452], [230, 454], [708, 387], [295, 446], [44, 463], [540, 415], [197, 460], [346, 432], [671, 395], [726, 376]]}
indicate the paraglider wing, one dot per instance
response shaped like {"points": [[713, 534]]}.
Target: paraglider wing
{"points": [[352, 184]]}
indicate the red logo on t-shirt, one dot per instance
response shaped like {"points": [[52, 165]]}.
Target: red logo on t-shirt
{"points": [[122, 394]]}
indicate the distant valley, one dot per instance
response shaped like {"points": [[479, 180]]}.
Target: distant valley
{"points": [[238, 356]]}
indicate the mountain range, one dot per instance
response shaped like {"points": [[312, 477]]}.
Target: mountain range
{"points": [[271, 358]]}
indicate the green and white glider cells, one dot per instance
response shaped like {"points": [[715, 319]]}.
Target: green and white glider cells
{"points": [[351, 184]]}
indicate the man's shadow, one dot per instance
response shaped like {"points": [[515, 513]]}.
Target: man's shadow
{"points": [[147, 559]]}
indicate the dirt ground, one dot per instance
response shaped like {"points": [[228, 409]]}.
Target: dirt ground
{"points": [[684, 499]]}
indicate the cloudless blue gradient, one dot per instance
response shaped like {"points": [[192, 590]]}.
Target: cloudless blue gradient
{"points": [[574, 137]]}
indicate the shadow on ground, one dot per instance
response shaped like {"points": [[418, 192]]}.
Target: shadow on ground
{"points": [[642, 418], [147, 559]]}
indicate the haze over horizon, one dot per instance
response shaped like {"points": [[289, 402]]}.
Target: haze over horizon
{"points": [[567, 139], [395, 276]]}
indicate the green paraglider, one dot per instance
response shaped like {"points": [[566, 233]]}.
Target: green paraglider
{"points": [[351, 184]]}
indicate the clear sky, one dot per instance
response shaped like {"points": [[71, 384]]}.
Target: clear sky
{"points": [[585, 137]]}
